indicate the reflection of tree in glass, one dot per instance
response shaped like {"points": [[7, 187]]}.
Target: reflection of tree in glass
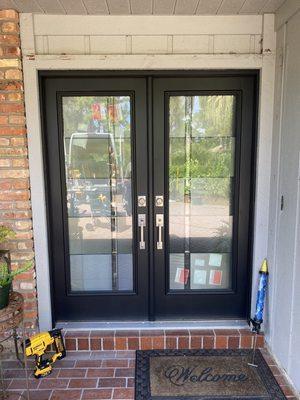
{"points": [[212, 147], [211, 116], [223, 235]]}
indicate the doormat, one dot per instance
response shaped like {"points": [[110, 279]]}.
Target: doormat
{"points": [[203, 374]]}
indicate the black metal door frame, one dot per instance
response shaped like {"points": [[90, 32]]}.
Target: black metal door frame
{"points": [[227, 303], [145, 305], [91, 305]]}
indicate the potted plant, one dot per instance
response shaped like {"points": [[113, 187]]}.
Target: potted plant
{"points": [[6, 275]]}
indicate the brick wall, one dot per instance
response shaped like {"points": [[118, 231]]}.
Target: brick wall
{"points": [[15, 207]]}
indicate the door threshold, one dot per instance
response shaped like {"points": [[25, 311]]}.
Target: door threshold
{"points": [[148, 325]]}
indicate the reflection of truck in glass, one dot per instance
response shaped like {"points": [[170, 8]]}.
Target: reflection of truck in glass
{"points": [[93, 175]]}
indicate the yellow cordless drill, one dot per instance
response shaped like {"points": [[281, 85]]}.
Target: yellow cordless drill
{"points": [[37, 346]]}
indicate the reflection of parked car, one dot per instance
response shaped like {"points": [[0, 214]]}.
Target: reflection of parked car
{"points": [[92, 173]]}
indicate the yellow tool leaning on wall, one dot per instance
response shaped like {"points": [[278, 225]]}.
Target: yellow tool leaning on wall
{"points": [[37, 346]]}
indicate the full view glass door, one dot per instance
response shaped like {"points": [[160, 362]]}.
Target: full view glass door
{"points": [[96, 140], [201, 263]]}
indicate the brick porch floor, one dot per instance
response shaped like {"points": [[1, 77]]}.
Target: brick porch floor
{"points": [[109, 374]]}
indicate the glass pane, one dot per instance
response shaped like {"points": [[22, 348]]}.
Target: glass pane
{"points": [[97, 145], [201, 182]]}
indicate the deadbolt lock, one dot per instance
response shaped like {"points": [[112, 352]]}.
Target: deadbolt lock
{"points": [[142, 202], [159, 201]]}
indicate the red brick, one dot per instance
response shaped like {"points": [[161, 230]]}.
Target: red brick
{"points": [[100, 372], [227, 332], [152, 332], [179, 332], [246, 342], [146, 343], [3, 119], [13, 152], [101, 334], [72, 373], [112, 363], [245, 332], [17, 120], [11, 85], [88, 363], [13, 74], [10, 27], [183, 342], [124, 372], [108, 343], [4, 142], [20, 162], [287, 390], [9, 40], [91, 394], [127, 393], [130, 333], [281, 380], [131, 363], [11, 108], [275, 370], [5, 186], [66, 395], [121, 343], [260, 341], [233, 342], [158, 342], [112, 382], [15, 96], [196, 342], [83, 383], [133, 343], [202, 332], [40, 394], [8, 14], [208, 342], [11, 51], [21, 384], [171, 342], [50, 383], [83, 344], [221, 342], [130, 382], [70, 344], [95, 344]]}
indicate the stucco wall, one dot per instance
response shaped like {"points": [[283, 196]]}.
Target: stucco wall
{"points": [[283, 329]]}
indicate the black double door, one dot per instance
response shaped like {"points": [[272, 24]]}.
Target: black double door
{"points": [[150, 184]]}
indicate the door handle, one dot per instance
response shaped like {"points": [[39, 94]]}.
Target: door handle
{"points": [[142, 225], [159, 225]]}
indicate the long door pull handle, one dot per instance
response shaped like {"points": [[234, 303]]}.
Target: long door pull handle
{"points": [[142, 225], [159, 225]]}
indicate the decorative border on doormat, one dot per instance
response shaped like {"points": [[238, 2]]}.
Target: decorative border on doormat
{"points": [[142, 374]]}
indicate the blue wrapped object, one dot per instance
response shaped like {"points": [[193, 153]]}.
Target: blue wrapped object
{"points": [[261, 295]]}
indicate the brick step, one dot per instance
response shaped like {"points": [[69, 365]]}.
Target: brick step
{"points": [[86, 340]]}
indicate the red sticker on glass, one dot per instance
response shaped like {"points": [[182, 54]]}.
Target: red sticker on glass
{"points": [[182, 275], [215, 277]]}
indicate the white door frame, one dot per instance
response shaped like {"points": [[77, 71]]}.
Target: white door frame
{"points": [[32, 64]]}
